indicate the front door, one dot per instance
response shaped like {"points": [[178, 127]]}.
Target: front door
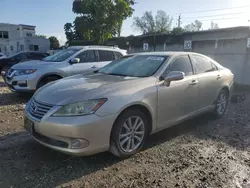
{"points": [[209, 79], [179, 98], [88, 63]]}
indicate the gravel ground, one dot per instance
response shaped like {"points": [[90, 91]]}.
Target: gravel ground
{"points": [[202, 152]]}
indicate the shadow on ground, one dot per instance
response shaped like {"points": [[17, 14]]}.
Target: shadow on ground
{"points": [[14, 98], [27, 163]]}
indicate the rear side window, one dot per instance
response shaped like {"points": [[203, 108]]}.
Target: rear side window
{"points": [[118, 55], [182, 64], [106, 55], [202, 64]]}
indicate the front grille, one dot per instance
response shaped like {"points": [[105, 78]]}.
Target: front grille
{"points": [[38, 109]]}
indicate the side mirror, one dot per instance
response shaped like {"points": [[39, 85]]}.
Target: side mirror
{"points": [[174, 76], [74, 60]]}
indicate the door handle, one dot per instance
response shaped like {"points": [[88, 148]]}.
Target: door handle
{"points": [[218, 76], [194, 82], [93, 67]]}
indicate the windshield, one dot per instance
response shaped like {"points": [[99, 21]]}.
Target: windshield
{"points": [[137, 66], [61, 55]]}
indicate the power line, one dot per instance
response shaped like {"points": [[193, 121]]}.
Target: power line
{"points": [[216, 15], [233, 18], [211, 10]]}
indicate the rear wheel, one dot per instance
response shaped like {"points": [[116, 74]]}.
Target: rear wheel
{"points": [[129, 133], [221, 103], [47, 80]]}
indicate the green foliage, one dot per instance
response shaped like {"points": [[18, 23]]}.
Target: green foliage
{"points": [[98, 20], [38, 35], [54, 43], [214, 25], [196, 26], [148, 24], [177, 30]]}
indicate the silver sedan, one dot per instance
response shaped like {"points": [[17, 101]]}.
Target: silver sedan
{"points": [[116, 108]]}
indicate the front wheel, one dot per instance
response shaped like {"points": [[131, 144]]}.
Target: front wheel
{"points": [[129, 133], [221, 103], [47, 80]]}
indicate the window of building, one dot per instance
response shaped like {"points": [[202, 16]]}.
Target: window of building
{"points": [[22, 47], [36, 47], [4, 34], [29, 34], [106, 55], [11, 48], [31, 47]]}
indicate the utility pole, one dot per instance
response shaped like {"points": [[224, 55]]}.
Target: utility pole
{"points": [[179, 20]]}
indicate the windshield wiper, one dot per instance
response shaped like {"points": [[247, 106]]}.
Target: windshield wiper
{"points": [[116, 74]]}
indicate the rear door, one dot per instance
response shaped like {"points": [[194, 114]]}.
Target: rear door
{"points": [[88, 63], [105, 57], [209, 80]]}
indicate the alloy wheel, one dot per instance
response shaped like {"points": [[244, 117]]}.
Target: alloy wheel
{"points": [[221, 103], [131, 134]]}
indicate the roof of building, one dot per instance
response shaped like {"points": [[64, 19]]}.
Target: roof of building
{"points": [[203, 31]]}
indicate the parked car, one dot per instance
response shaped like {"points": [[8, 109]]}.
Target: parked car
{"points": [[127, 100], [2, 55], [8, 62], [31, 75]]}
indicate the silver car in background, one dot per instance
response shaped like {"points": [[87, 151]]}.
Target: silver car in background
{"points": [[127, 100], [31, 75]]}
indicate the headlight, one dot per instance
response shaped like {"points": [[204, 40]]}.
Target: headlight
{"points": [[80, 108], [24, 72]]}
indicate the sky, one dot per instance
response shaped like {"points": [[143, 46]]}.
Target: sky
{"points": [[49, 16]]}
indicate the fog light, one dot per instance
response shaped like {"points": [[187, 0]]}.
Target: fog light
{"points": [[79, 143], [22, 82]]}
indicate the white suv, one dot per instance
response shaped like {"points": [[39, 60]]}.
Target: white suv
{"points": [[31, 75]]}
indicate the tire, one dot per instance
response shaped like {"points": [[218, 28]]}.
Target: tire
{"points": [[47, 80], [221, 103], [135, 134]]}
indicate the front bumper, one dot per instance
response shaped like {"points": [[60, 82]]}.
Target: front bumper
{"points": [[58, 132], [23, 83]]}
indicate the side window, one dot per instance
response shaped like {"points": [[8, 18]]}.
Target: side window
{"points": [[20, 57], [118, 55], [202, 64], [182, 64], [87, 56], [106, 55]]}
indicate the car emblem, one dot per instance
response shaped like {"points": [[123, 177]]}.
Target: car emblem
{"points": [[34, 108]]}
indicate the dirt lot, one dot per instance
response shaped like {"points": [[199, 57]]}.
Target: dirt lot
{"points": [[202, 152]]}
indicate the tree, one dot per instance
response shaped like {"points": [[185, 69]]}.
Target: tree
{"points": [[54, 43], [196, 26], [214, 25], [177, 30], [98, 20], [38, 35], [148, 24], [163, 22]]}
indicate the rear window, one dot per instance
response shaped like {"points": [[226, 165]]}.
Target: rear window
{"points": [[106, 55]]}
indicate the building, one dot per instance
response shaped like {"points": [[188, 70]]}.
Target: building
{"points": [[17, 38], [229, 46]]}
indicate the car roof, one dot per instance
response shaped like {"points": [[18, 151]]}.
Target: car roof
{"points": [[96, 47], [166, 53]]}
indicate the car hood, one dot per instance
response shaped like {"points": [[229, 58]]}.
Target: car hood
{"points": [[31, 64], [79, 88]]}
